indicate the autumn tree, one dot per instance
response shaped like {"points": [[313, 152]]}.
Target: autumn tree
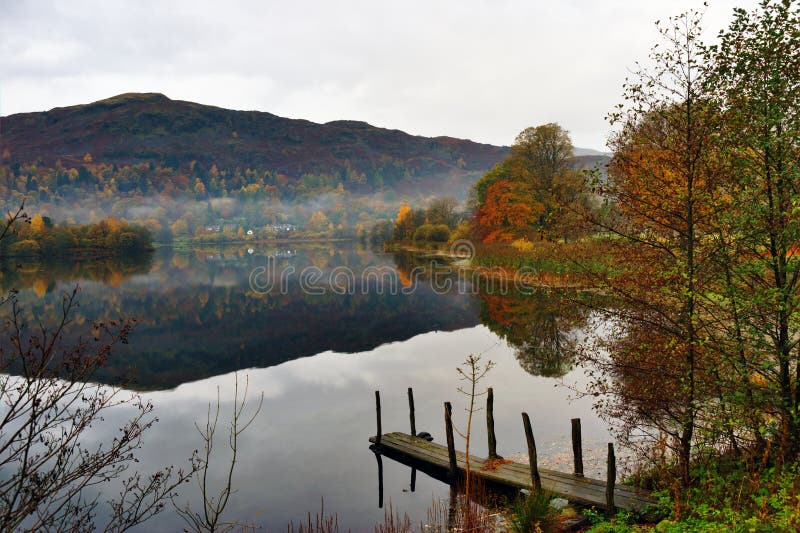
{"points": [[51, 401], [318, 222], [542, 157], [756, 82], [510, 210], [443, 211], [528, 193], [663, 178], [404, 225], [37, 224]]}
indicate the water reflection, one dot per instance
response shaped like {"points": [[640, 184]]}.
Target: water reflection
{"points": [[541, 327], [319, 359], [200, 316], [41, 276]]}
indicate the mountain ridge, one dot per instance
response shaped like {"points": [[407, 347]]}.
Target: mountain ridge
{"points": [[135, 128], [143, 127]]}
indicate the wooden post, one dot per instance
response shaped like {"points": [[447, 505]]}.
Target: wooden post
{"points": [[536, 481], [451, 446], [490, 425], [577, 448], [611, 479], [413, 479], [378, 415], [451, 509], [411, 412]]}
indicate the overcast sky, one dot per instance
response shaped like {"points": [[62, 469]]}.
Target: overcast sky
{"points": [[476, 69]]}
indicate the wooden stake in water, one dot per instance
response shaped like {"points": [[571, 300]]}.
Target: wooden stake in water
{"points": [[490, 424], [451, 445], [536, 481], [611, 479], [411, 412], [378, 416], [577, 448]]}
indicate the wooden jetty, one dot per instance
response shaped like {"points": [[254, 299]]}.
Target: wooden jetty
{"points": [[446, 463], [515, 475]]}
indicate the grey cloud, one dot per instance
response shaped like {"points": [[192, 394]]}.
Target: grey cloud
{"points": [[475, 69]]}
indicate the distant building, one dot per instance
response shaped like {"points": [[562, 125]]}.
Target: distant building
{"points": [[282, 228]]}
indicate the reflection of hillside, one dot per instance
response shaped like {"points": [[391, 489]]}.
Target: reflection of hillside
{"points": [[200, 318], [539, 326]]}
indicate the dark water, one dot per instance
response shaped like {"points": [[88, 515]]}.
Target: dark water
{"points": [[317, 329]]}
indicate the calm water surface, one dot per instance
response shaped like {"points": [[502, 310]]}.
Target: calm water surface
{"points": [[318, 356]]}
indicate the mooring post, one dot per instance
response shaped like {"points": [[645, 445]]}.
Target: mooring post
{"points": [[378, 416], [536, 481], [411, 412], [451, 509], [611, 479], [451, 445], [490, 425], [577, 449]]}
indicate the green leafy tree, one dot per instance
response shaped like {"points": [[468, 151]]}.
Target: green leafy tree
{"points": [[531, 191], [756, 79]]}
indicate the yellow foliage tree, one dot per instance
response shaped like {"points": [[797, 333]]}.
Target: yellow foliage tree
{"points": [[37, 224], [404, 225], [318, 222], [113, 224]]}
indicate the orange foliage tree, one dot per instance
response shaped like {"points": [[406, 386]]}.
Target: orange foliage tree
{"points": [[510, 210], [664, 180], [530, 192]]}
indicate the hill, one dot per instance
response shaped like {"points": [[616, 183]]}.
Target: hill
{"points": [[150, 128]]}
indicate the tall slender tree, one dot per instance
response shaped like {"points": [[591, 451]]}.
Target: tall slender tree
{"points": [[756, 79], [663, 179]]}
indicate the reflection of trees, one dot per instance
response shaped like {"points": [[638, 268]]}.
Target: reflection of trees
{"points": [[413, 268], [540, 327], [42, 275], [199, 316]]}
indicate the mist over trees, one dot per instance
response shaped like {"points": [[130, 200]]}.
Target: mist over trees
{"points": [[179, 168]]}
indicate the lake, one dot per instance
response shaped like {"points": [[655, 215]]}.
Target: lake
{"points": [[317, 328]]}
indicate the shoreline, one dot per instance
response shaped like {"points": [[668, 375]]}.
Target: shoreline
{"points": [[309, 240]]}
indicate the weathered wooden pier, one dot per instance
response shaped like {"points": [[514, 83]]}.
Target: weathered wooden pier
{"points": [[448, 464]]}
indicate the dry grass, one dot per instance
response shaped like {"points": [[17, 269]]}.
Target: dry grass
{"points": [[393, 523], [319, 524], [455, 514]]}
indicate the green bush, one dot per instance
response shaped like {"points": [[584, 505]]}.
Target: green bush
{"points": [[533, 513], [422, 232], [434, 233], [439, 233]]}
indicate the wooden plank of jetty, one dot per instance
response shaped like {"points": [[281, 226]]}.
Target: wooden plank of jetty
{"points": [[513, 475]]}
